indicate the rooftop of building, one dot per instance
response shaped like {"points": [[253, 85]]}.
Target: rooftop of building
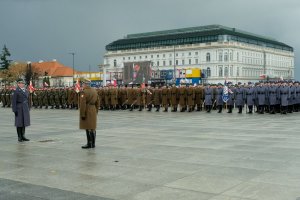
{"points": [[192, 35], [54, 68]]}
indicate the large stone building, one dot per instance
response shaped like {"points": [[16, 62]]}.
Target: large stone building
{"points": [[220, 52]]}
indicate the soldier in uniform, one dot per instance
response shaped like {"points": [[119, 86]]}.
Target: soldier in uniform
{"points": [[208, 95], [20, 107], [8, 97], [157, 98], [113, 97], [199, 97], [292, 98], [230, 102], [272, 97], [165, 94], [239, 97], [190, 92], [219, 97], [174, 98], [285, 95], [297, 101], [250, 96], [261, 97], [149, 97], [140, 98], [89, 105]]}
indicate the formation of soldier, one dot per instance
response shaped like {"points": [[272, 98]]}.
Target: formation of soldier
{"points": [[270, 97]]}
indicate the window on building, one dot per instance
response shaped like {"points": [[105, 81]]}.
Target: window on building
{"points": [[190, 61], [237, 56], [220, 56], [225, 56], [231, 70], [164, 55], [208, 57], [176, 62], [123, 58], [170, 62], [128, 58], [176, 54], [134, 58], [196, 61], [182, 62], [208, 71], [196, 53], [226, 71], [220, 71], [190, 53], [157, 56], [140, 57], [157, 63], [164, 63], [115, 63], [146, 57], [151, 56], [237, 71], [230, 56]]}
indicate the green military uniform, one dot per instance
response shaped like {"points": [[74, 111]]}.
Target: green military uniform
{"points": [[190, 98], [165, 96]]}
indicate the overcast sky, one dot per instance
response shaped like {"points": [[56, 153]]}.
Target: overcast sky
{"points": [[36, 30]]}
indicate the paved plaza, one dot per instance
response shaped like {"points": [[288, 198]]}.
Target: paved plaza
{"points": [[152, 156]]}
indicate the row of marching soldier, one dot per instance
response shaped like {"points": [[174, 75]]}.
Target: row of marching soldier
{"points": [[271, 97]]}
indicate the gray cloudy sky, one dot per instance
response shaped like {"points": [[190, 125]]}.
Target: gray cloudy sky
{"points": [[36, 30]]}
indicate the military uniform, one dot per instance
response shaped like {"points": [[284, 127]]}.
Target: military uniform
{"points": [[182, 98], [174, 98], [89, 105], [208, 95], [190, 92], [165, 95], [239, 95]]}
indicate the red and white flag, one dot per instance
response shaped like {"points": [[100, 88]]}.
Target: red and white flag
{"points": [[30, 87], [77, 86]]}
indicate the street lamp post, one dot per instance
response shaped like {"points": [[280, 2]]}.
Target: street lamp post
{"points": [[73, 54], [174, 72]]}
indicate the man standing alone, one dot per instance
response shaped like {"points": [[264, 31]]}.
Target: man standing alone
{"points": [[20, 106], [89, 106]]}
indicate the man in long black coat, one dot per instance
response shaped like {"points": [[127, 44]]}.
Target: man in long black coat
{"points": [[20, 107]]}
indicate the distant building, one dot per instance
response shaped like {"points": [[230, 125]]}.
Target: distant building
{"points": [[219, 52], [59, 75]]}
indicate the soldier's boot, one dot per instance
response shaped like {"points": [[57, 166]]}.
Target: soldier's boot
{"points": [[157, 108], [52, 107], [41, 106], [250, 109], [19, 131], [131, 108], [220, 109], [89, 141], [198, 108], [140, 108], [240, 109], [23, 134], [46, 107], [93, 138], [229, 109], [166, 109]]}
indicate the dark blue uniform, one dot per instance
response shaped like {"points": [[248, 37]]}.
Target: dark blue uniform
{"points": [[20, 106]]}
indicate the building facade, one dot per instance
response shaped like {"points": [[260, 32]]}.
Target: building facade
{"points": [[220, 52]]}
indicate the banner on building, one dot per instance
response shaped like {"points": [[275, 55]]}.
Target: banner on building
{"points": [[137, 72]]}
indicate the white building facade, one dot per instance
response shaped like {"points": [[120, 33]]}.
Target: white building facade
{"points": [[220, 52]]}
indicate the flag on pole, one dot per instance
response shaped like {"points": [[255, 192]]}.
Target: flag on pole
{"points": [[225, 95], [31, 88], [77, 86]]}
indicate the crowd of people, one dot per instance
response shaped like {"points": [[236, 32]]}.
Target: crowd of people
{"points": [[261, 97]]}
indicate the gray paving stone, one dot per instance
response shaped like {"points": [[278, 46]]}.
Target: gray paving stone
{"points": [[152, 155]]}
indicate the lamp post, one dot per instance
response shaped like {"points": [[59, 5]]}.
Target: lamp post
{"points": [[174, 73], [73, 54], [103, 68]]}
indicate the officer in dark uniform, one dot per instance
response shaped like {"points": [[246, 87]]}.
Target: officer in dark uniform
{"points": [[239, 97], [20, 107], [250, 97], [218, 97]]}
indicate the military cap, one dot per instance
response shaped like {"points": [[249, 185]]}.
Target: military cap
{"points": [[20, 80]]}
